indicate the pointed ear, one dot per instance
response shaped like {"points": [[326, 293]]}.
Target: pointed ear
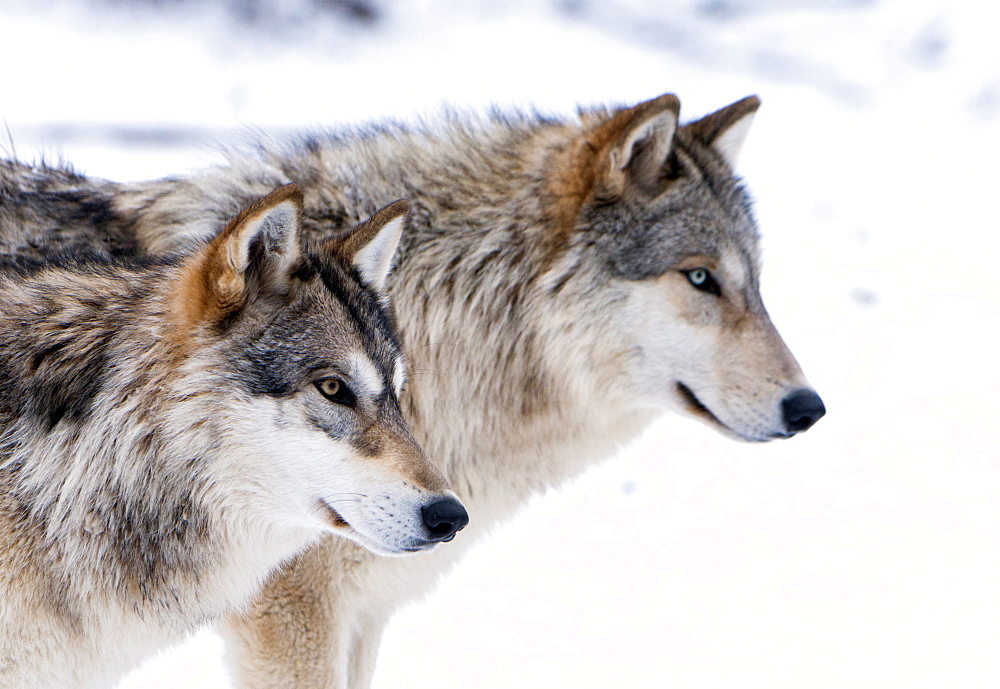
{"points": [[255, 254], [725, 130], [371, 245], [634, 145]]}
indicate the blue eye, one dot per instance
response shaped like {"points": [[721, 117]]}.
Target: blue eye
{"points": [[701, 279]]}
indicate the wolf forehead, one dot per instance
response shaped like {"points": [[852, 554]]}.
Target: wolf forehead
{"points": [[701, 213], [331, 322]]}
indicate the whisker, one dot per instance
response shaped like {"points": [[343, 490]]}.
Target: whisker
{"points": [[431, 344], [346, 497], [423, 372]]}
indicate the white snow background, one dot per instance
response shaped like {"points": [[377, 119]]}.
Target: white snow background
{"points": [[862, 554]]}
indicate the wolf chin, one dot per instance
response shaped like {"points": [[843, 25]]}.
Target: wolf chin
{"points": [[173, 429], [561, 282]]}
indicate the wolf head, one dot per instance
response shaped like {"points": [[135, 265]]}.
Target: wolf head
{"points": [[653, 212], [302, 341]]}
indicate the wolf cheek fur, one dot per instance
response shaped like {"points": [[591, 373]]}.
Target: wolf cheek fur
{"points": [[172, 430]]}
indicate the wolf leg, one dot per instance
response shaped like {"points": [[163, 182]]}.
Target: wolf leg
{"points": [[290, 636], [364, 653], [318, 622]]}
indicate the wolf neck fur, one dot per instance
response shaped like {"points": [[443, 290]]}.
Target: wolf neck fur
{"points": [[144, 541], [475, 263], [496, 306]]}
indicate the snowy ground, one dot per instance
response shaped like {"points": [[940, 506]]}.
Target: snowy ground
{"points": [[863, 554]]}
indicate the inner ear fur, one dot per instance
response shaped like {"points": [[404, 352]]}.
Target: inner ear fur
{"points": [[370, 246], [254, 254], [726, 129], [628, 146], [633, 146]]}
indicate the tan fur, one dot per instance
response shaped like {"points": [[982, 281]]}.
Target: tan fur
{"points": [[586, 168], [211, 283]]}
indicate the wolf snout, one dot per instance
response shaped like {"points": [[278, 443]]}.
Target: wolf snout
{"points": [[801, 409], [444, 518]]}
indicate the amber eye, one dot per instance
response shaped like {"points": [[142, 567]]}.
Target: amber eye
{"points": [[336, 390], [701, 279]]}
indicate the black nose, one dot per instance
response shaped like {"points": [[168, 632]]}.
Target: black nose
{"points": [[801, 409], [444, 518]]}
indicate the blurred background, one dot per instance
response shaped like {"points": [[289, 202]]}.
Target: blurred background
{"points": [[863, 554]]}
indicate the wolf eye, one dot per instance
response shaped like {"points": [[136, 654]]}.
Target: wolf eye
{"points": [[336, 390], [701, 279]]}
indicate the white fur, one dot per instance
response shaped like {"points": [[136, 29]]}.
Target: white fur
{"points": [[278, 227], [374, 260], [381, 507], [725, 376], [399, 375], [732, 271], [658, 132], [730, 142], [364, 374]]}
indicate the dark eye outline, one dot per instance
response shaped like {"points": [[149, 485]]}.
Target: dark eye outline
{"points": [[336, 390], [706, 283]]}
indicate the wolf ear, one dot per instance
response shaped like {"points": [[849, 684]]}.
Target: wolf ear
{"points": [[255, 254], [725, 130], [371, 245], [634, 145]]}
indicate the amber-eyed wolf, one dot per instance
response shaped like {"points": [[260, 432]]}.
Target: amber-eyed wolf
{"points": [[173, 429]]}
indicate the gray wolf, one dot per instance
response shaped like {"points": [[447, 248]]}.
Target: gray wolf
{"points": [[171, 430], [561, 283]]}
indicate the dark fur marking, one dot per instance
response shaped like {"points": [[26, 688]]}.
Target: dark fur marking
{"points": [[371, 321], [49, 214], [71, 381], [672, 169], [55, 359], [150, 542], [333, 428], [260, 371], [36, 361]]}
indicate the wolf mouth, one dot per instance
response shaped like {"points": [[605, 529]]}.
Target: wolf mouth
{"points": [[697, 408], [338, 522], [335, 519]]}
